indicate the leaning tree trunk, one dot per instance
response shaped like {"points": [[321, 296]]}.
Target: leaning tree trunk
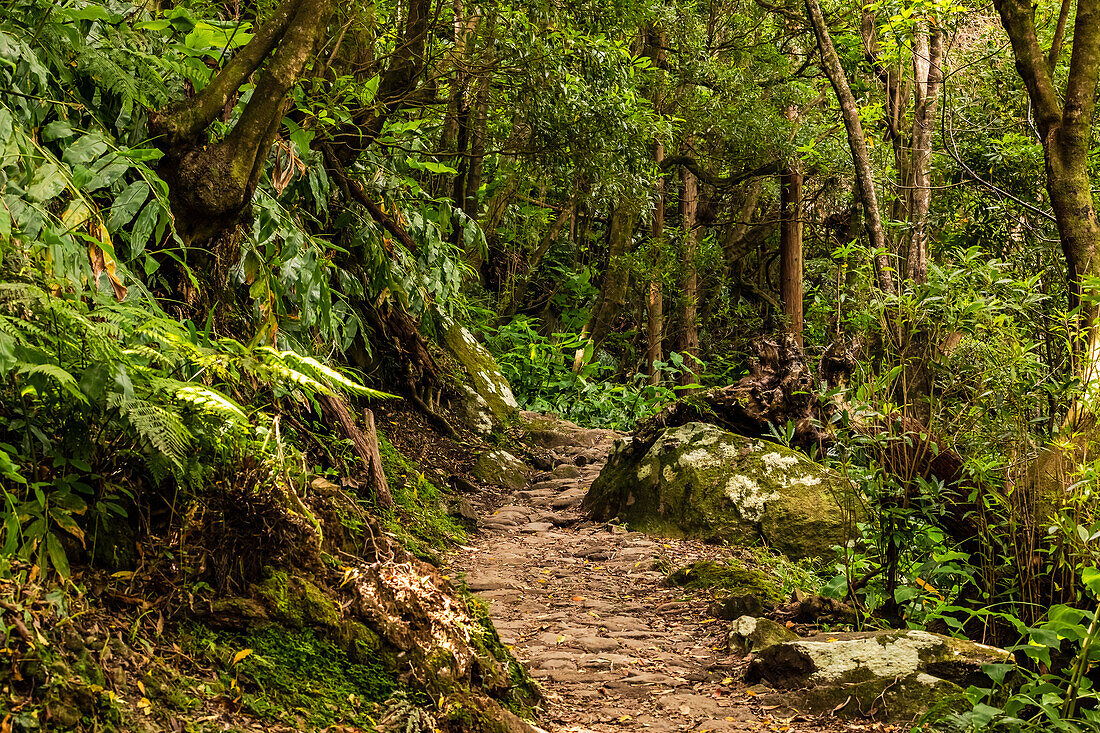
{"points": [[849, 110]]}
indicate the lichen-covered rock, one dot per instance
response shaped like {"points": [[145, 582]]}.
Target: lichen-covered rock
{"points": [[749, 634], [895, 675], [486, 402], [697, 480], [501, 468]]}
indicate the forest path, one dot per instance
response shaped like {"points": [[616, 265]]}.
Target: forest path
{"points": [[584, 607]]}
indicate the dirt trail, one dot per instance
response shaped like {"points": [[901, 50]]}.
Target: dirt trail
{"points": [[584, 607]]}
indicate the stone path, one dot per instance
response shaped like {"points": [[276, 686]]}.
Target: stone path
{"points": [[584, 607]]}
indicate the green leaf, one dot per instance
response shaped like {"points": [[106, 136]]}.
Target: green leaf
{"points": [[46, 184], [143, 227], [57, 555], [86, 149], [1091, 578], [57, 130], [127, 205]]}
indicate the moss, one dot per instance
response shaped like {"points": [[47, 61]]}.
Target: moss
{"points": [[297, 602], [903, 699], [698, 481], [417, 518], [298, 672], [522, 691], [730, 576]]}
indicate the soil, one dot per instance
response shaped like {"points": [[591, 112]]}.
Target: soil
{"points": [[585, 607]]}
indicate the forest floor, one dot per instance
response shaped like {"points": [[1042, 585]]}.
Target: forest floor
{"points": [[585, 607]]}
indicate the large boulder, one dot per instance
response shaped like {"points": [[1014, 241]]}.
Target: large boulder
{"points": [[486, 402], [697, 480], [891, 675]]}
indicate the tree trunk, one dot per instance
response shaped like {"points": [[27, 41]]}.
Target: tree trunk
{"points": [[364, 442], [211, 185], [609, 304], [790, 245], [688, 343], [1065, 129], [849, 110], [928, 74], [655, 302]]}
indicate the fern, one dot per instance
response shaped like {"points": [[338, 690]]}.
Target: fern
{"points": [[161, 428]]}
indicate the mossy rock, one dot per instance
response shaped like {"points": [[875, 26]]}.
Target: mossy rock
{"points": [[750, 634], [500, 468], [486, 402], [297, 602], [699, 481], [903, 700], [910, 672], [730, 576]]}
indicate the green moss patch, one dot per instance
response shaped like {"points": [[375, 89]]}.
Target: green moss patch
{"points": [[417, 518], [730, 576], [523, 692], [291, 674]]}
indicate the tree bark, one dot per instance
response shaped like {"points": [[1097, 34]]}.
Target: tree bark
{"points": [[928, 74], [655, 302], [688, 342], [364, 442], [860, 157], [790, 245], [212, 185], [616, 277], [1065, 129]]}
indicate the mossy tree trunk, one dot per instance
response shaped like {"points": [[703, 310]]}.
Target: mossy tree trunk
{"points": [[212, 184]]}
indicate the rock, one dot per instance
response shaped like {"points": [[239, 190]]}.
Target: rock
{"points": [[702, 482], [750, 634], [817, 609], [486, 402], [569, 498], [501, 468], [596, 644], [731, 607], [731, 576], [460, 483], [547, 431], [566, 471], [460, 508], [541, 461], [892, 675]]}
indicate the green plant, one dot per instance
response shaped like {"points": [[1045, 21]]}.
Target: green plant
{"points": [[539, 370]]}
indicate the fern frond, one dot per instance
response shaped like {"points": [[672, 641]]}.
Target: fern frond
{"points": [[64, 379], [161, 428], [211, 401]]}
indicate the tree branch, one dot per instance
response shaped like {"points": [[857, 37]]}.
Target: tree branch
{"points": [[768, 169], [355, 191]]}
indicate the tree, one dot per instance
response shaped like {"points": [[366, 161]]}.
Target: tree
{"points": [[1063, 119], [212, 184], [849, 110]]}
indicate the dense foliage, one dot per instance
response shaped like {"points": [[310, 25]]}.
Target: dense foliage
{"points": [[610, 196]]}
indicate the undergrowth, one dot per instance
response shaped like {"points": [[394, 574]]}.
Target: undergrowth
{"points": [[291, 673], [418, 518]]}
